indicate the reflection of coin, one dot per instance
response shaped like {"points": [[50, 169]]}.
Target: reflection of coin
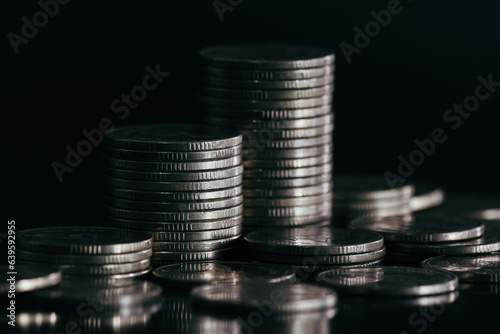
{"points": [[472, 269], [391, 281], [28, 278]]}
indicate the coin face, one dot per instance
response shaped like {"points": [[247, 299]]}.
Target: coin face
{"points": [[425, 228], [473, 269], [83, 240], [245, 295], [389, 281], [172, 137], [314, 241], [265, 56], [191, 274], [29, 278]]}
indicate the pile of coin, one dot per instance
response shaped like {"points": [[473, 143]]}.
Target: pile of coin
{"points": [[413, 239], [364, 195], [280, 98], [87, 250], [312, 249], [182, 183]]}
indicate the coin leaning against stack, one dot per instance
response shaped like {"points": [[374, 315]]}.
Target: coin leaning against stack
{"points": [[279, 97], [181, 183], [87, 250]]}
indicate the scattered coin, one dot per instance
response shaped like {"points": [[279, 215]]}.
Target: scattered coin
{"points": [[472, 269], [28, 278]]}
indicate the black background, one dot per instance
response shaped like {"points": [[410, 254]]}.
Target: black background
{"points": [[394, 91]]}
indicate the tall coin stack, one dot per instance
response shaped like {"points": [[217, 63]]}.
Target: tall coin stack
{"points": [[182, 183], [280, 98]]}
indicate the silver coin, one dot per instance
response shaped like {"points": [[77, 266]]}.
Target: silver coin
{"points": [[181, 166], [389, 281], [266, 95], [292, 211], [84, 259], [256, 136], [174, 185], [274, 193], [197, 235], [214, 174], [246, 295], [174, 216], [472, 269], [174, 227], [314, 241], [485, 244], [363, 186], [289, 163], [174, 206], [100, 269], [287, 183], [28, 278], [152, 156], [183, 196], [288, 173], [286, 202], [83, 240], [213, 81], [328, 259], [369, 205], [421, 229], [310, 268], [172, 137], [265, 56], [269, 154], [400, 210], [196, 246], [317, 217], [192, 274], [472, 205], [290, 143], [194, 256], [266, 104], [265, 75], [266, 114], [270, 125], [426, 196], [110, 293]]}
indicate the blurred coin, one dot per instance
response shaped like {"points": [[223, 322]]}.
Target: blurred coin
{"points": [[293, 211], [253, 136], [197, 235], [266, 95], [176, 166], [389, 281], [286, 202], [472, 205], [289, 163], [473, 269], [28, 278], [317, 217], [214, 81], [263, 104], [485, 244], [365, 186], [426, 196], [286, 183], [84, 259], [273, 154], [193, 256], [101, 269], [266, 114], [317, 189], [287, 173], [196, 246], [267, 141], [268, 75]]}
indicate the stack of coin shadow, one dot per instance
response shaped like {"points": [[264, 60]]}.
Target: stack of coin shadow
{"points": [[313, 249], [280, 98], [365, 195], [409, 240], [87, 251], [181, 183]]}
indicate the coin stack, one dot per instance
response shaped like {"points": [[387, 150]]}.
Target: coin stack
{"points": [[364, 195], [280, 98], [411, 240], [87, 250], [182, 183], [312, 249]]}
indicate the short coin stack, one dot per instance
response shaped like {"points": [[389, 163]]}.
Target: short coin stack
{"points": [[87, 250], [182, 183], [279, 97], [312, 249], [364, 195]]}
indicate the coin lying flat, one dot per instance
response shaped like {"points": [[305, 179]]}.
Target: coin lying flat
{"points": [[485, 244], [192, 274], [284, 134], [197, 235], [267, 104], [473, 269], [132, 155], [286, 183], [243, 296], [289, 163], [265, 56], [181, 226], [172, 137], [364, 186], [389, 281], [28, 278], [196, 245], [214, 81], [266, 114], [320, 216], [286, 202], [314, 241], [307, 152], [266, 95], [281, 212], [317, 189], [288, 173], [270, 143], [172, 166], [193, 256], [83, 240], [426, 196], [84, 259], [425, 228], [268, 75]]}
